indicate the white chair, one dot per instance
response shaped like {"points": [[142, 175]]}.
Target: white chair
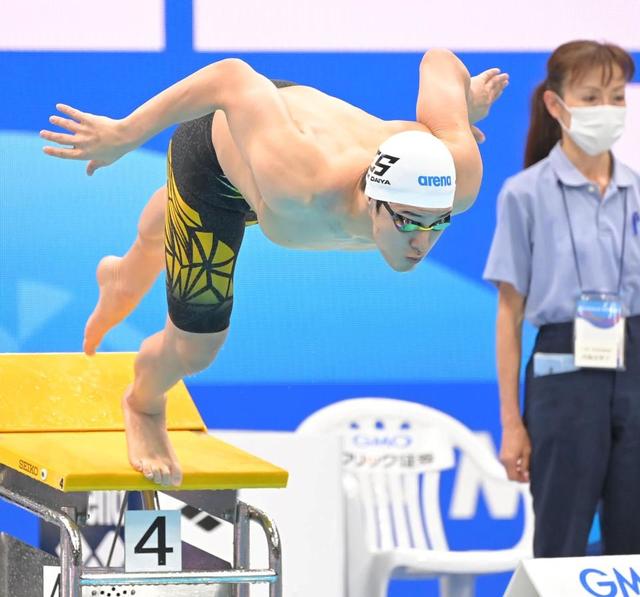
{"points": [[394, 452]]}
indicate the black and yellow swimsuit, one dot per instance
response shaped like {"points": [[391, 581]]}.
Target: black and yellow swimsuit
{"points": [[205, 222]]}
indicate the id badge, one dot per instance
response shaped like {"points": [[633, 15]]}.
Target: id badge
{"points": [[599, 331]]}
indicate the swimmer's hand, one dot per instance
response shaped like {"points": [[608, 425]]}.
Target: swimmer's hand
{"points": [[99, 139], [485, 89]]}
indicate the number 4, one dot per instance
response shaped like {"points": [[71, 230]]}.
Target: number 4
{"points": [[159, 525]]}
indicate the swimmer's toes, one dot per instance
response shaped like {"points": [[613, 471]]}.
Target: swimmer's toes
{"points": [[176, 475], [147, 470], [165, 475]]}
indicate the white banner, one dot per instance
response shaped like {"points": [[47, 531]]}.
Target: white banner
{"points": [[76, 25], [410, 25]]}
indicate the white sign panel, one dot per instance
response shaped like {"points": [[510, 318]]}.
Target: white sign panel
{"points": [[152, 541], [607, 576], [410, 25], [308, 513], [51, 581], [78, 25]]}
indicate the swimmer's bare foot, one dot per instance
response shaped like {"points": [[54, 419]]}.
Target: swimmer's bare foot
{"points": [[115, 302], [148, 444]]}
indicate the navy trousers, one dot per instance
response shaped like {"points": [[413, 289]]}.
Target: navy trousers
{"points": [[585, 434]]}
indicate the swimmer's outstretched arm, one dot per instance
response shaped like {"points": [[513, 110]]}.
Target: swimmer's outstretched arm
{"points": [[443, 107], [258, 119]]}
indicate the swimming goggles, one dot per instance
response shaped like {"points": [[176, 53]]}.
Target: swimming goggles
{"points": [[404, 224]]}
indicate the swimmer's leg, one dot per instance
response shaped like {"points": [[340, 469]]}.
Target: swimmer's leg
{"points": [[203, 232], [123, 281], [163, 360]]}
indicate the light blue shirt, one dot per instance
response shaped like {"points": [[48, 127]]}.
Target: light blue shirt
{"points": [[531, 246]]}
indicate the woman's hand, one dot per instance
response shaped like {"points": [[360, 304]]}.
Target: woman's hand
{"points": [[484, 90], [99, 139], [515, 452]]}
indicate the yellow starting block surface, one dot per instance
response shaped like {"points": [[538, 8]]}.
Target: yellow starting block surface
{"points": [[61, 423]]}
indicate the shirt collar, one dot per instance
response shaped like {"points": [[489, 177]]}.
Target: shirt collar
{"points": [[570, 176], [622, 176]]}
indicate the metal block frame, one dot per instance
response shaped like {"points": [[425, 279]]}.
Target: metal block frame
{"points": [[68, 511]]}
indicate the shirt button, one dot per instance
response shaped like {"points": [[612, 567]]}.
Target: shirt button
{"points": [[592, 189]]}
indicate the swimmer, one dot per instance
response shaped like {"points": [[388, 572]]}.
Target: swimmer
{"points": [[314, 172]]}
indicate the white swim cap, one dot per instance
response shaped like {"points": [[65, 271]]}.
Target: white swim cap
{"points": [[412, 168]]}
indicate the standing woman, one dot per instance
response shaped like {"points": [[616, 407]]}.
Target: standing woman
{"points": [[566, 257]]}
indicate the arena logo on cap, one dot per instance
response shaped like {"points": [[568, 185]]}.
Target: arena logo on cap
{"points": [[434, 181]]}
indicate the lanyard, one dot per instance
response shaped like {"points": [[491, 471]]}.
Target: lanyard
{"points": [[573, 242]]}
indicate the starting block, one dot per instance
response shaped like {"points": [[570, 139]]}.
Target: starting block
{"points": [[62, 437]]}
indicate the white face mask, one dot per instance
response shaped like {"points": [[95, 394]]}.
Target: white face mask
{"points": [[594, 129]]}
